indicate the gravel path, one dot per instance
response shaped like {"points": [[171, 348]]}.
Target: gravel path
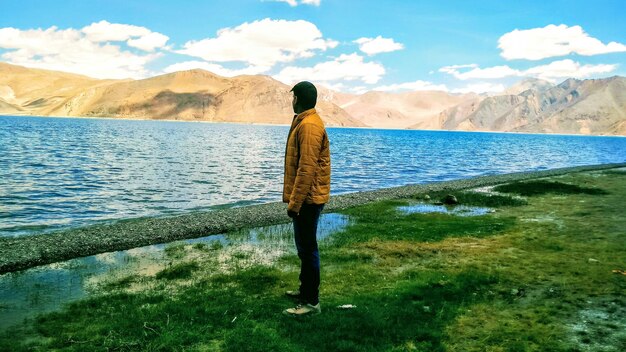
{"points": [[18, 253]]}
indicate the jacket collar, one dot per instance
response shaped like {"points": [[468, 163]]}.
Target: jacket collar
{"points": [[302, 115]]}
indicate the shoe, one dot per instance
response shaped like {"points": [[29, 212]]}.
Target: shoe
{"points": [[304, 309], [293, 294]]}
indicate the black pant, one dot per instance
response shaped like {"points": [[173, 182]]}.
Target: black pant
{"points": [[305, 231]]}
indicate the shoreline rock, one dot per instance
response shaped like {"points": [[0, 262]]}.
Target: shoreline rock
{"points": [[19, 253]]}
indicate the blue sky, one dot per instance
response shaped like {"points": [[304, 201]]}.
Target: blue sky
{"points": [[351, 46]]}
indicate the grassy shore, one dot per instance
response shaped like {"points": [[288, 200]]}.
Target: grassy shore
{"points": [[537, 274], [23, 252]]}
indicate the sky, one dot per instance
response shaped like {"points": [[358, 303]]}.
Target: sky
{"points": [[351, 46]]}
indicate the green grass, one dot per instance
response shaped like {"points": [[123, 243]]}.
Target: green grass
{"points": [[175, 251], [535, 188], [521, 279]]}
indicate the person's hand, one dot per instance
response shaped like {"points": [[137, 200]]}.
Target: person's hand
{"points": [[292, 214]]}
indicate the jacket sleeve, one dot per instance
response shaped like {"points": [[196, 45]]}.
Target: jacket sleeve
{"points": [[310, 139]]}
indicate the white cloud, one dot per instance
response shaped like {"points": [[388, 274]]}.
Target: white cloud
{"points": [[261, 43], [480, 73], [417, 85], [482, 87], [104, 31], [456, 67], [215, 68], [552, 41], [551, 72], [149, 42], [558, 70], [345, 67], [135, 36], [373, 46], [294, 3], [290, 2], [75, 51]]}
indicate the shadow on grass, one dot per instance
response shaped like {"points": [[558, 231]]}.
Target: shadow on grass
{"points": [[536, 188], [412, 316], [615, 172]]}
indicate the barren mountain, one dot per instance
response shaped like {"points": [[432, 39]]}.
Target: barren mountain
{"points": [[574, 106], [418, 109], [187, 95], [595, 106], [33, 91], [456, 117]]}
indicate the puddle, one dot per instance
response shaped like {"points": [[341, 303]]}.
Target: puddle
{"points": [[328, 224], [460, 210], [263, 245], [46, 288]]}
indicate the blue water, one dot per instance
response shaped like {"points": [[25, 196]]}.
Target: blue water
{"points": [[66, 172]]}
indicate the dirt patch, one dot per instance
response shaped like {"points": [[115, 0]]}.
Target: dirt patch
{"points": [[600, 326]]}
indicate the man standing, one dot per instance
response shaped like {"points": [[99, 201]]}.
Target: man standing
{"points": [[306, 190]]}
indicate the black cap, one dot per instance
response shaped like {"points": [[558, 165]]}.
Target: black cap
{"points": [[306, 93]]}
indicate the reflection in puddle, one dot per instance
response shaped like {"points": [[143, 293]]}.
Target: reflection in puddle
{"points": [[328, 224], [460, 210], [43, 289]]}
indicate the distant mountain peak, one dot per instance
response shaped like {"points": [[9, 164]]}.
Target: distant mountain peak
{"points": [[569, 83], [535, 84], [194, 72]]}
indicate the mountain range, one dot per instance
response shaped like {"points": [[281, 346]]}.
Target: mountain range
{"points": [[593, 106]]}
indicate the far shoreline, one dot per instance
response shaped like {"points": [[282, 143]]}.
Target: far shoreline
{"points": [[327, 126]]}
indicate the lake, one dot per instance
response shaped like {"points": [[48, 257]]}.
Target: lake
{"points": [[57, 173]]}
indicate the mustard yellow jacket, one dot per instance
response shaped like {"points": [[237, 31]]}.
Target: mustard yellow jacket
{"points": [[307, 162]]}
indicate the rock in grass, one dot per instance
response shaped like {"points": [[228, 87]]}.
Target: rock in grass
{"points": [[346, 306], [450, 200], [519, 292]]}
